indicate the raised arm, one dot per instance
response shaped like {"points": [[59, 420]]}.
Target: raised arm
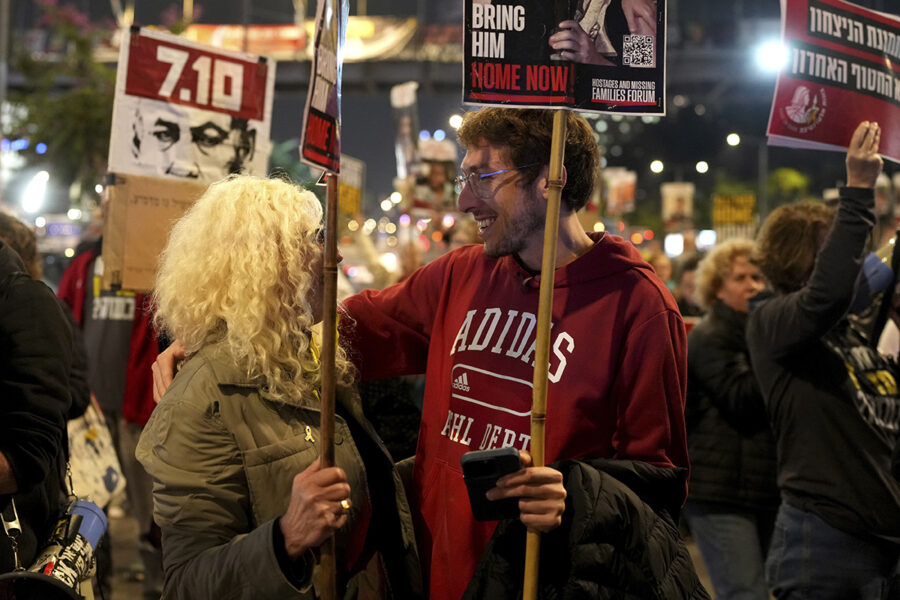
{"points": [[789, 322]]}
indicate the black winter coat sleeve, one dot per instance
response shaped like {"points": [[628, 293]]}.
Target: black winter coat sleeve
{"points": [[35, 355], [719, 371], [612, 543]]}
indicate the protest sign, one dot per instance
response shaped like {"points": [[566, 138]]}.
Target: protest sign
{"points": [[585, 55], [843, 68], [353, 177], [140, 214], [405, 108], [320, 143], [189, 111]]}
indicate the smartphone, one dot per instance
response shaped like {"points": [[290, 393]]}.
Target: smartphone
{"points": [[481, 470]]}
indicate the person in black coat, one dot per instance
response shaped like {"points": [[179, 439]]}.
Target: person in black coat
{"points": [[35, 357], [733, 496]]}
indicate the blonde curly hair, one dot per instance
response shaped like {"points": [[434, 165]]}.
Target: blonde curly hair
{"points": [[716, 266], [236, 270]]}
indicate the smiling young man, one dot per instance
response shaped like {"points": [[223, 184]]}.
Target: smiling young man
{"points": [[616, 382], [467, 320]]}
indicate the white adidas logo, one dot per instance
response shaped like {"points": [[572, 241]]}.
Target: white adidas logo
{"points": [[461, 382]]}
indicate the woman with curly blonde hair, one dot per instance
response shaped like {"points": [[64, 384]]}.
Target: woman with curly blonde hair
{"points": [[239, 493], [733, 499]]}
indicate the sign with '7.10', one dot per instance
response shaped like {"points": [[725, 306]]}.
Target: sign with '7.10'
{"points": [[199, 77]]}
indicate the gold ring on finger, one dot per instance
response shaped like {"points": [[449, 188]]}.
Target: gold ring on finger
{"points": [[345, 504]]}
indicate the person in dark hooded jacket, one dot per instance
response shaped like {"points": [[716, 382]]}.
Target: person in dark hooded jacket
{"points": [[35, 356]]}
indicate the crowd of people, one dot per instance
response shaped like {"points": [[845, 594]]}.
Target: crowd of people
{"points": [[765, 433]]}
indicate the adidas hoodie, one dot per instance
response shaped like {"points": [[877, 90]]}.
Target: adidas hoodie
{"points": [[616, 381]]}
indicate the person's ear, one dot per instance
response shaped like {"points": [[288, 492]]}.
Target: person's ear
{"points": [[544, 180]]}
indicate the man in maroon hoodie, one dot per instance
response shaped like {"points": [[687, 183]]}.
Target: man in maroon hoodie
{"points": [[467, 320]]}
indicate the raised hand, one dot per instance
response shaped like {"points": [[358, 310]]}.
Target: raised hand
{"points": [[863, 161]]}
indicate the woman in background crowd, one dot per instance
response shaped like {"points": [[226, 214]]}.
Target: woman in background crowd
{"points": [[733, 498]]}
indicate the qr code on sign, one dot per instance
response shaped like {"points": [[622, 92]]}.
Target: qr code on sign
{"points": [[637, 51]]}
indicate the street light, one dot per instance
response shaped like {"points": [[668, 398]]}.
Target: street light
{"points": [[656, 166], [33, 198], [771, 56], [733, 139], [702, 166]]}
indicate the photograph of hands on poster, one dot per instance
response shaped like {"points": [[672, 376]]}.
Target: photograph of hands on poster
{"points": [[843, 67], [593, 55]]}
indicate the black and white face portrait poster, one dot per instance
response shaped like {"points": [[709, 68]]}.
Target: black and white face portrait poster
{"points": [[185, 110], [605, 56]]}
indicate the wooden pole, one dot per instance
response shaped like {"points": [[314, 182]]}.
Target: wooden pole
{"points": [[328, 567], [542, 343]]}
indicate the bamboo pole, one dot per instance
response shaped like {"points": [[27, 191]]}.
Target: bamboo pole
{"points": [[328, 567], [542, 343]]}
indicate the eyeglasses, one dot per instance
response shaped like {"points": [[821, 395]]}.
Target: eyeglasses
{"points": [[476, 181], [319, 235]]}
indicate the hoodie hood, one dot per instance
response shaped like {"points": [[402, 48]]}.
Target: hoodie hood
{"points": [[610, 255]]}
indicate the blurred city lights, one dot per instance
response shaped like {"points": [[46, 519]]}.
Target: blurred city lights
{"points": [[40, 222], [437, 236], [74, 214], [700, 110], [616, 150], [733, 139], [386, 205], [448, 221], [599, 226], [656, 166], [404, 220], [456, 121], [389, 260], [674, 244], [424, 135], [70, 252], [679, 100], [392, 241], [20, 144], [439, 134], [41, 148], [648, 234], [98, 188], [621, 226], [624, 127], [353, 225], [390, 228], [396, 197], [33, 197], [422, 224], [637, 238], [4, 145], [706, 239], [702, 166], [771, 56], [601, 125], [369, 226], [352, 272]]}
